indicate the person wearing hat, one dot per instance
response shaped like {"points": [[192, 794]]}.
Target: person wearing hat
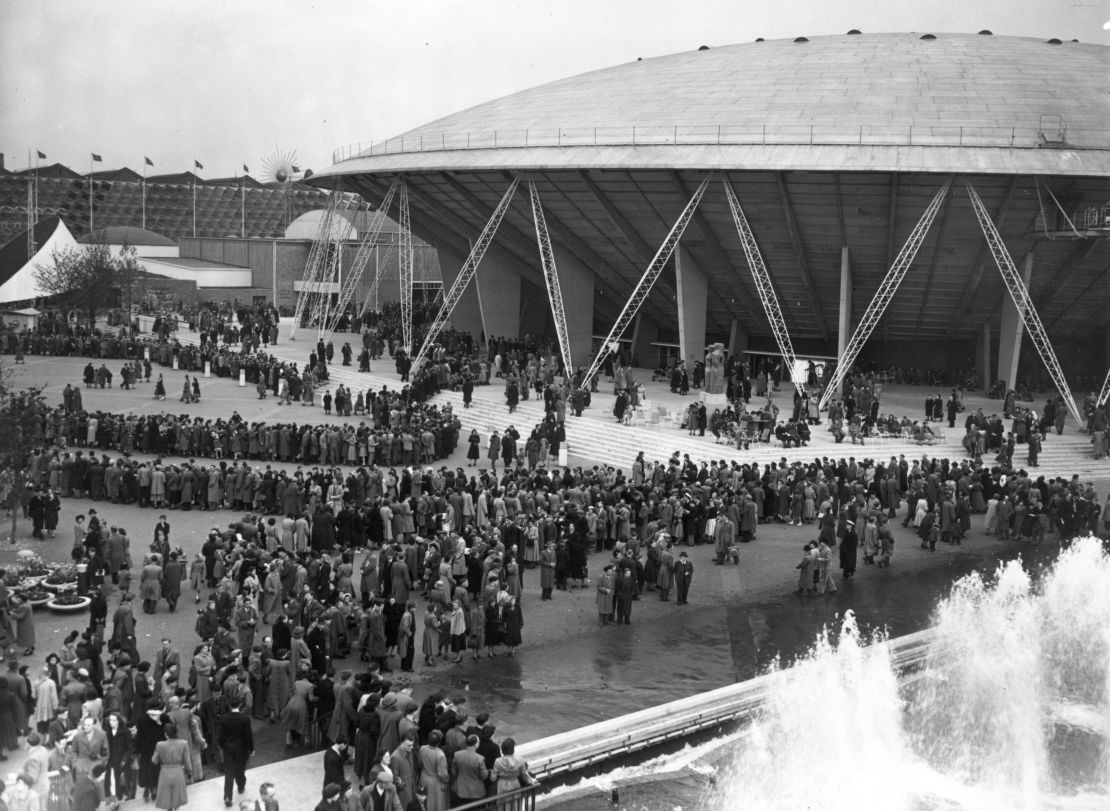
{"points": [[331, 799], [381, 794], [683, 577]]}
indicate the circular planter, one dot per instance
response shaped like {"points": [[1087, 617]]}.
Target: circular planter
{"points": [[69, 608], [67, 586], [34, 578]]}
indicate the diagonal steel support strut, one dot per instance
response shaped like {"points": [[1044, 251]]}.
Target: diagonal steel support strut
{"points": [[763, 285], [313, 266], [466, 273], [332, 265], [551, 277], [1020, 295], [405, 274], [647, 281], [354, 274], [1104, 394], [883, 296]]}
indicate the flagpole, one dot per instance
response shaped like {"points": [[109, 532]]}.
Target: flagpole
{"points": [[144, 192], [243, 206], [91, 226], [194, 206]]}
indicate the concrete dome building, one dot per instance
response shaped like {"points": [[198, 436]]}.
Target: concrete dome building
{"points": [[834, 146]]}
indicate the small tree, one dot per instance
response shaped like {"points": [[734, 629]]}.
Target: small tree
{"points": [[21, 413], [82, 279]]}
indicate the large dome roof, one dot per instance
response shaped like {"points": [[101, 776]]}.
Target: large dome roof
{"points": [[869, 91]]}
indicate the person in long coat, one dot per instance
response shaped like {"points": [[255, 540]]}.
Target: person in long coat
{"points": [[172, 756], [664, 581], [430, 641], [148, 733], [22, 617], [366, 738], [400, 581], [298, 712], [848, 548], [150, 585], [435, 777], [280, 685], [172, 575], [547, 570], [323, 530]]}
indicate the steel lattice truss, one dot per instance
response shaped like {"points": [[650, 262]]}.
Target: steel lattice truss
{"points": [[1104, 395], [551, 277], [354, 274], [647, 281], [405, 274], [311, 278], [763, 285], [323, 312], [466, 273], [883, 296], [1020, 295]]}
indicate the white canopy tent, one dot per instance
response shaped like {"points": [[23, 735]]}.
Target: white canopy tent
{"points": [[20, 284]]}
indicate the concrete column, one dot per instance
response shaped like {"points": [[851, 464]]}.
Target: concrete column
{"points": [[498, 287], [1010, 335], [467, 316], [645, 332], [577, 283], [693, 297], [737, 339], [844, 333], [983, 356]]}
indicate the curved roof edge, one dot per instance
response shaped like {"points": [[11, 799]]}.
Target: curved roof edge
{"points": [[913, 159]]}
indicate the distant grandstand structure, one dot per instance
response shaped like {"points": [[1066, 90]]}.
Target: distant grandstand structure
{"points": [[230, 207]]}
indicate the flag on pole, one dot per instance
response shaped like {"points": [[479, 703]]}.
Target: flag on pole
{"points": [[42, 155], [96, 157], [245, 169], [197, 164], [149, 162], [296, 168]]}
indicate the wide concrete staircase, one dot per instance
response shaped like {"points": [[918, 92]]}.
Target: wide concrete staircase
{"points": [[597, 439]]}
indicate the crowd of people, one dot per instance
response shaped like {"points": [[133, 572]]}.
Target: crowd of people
{"points": [[314, 595]]}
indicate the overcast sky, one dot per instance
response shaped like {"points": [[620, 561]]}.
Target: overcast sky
{"points": [[230, 82]]}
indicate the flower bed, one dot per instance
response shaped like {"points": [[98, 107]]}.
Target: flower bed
{"points": [[68, 603]]}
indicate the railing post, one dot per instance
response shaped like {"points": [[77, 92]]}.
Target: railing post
{"points": [[961, 136], [526, 137], [633, 135], [811, 135], [495, 139], [595, 136], [718, 135], [765, 135]]}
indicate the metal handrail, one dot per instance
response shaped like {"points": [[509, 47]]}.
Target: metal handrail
{"points": [[521, 799], [711, 134]]}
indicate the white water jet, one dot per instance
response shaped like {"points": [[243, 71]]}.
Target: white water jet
{"points": [[1011, 707]]}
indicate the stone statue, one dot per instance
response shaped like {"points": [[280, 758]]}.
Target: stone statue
{"points": [[715, 369]]}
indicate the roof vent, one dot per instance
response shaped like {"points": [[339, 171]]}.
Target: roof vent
{"points": [[853, 32], [704, 48], [639, 59], [801, 39], [986, 32], [1075, 40], [928, 37], [759, 39], [1053, 41]]}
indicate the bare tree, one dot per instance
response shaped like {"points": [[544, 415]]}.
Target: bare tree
{"points": [[86, 279]]}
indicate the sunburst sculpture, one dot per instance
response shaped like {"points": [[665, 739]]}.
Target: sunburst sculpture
{"points": [[281, 166]]}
